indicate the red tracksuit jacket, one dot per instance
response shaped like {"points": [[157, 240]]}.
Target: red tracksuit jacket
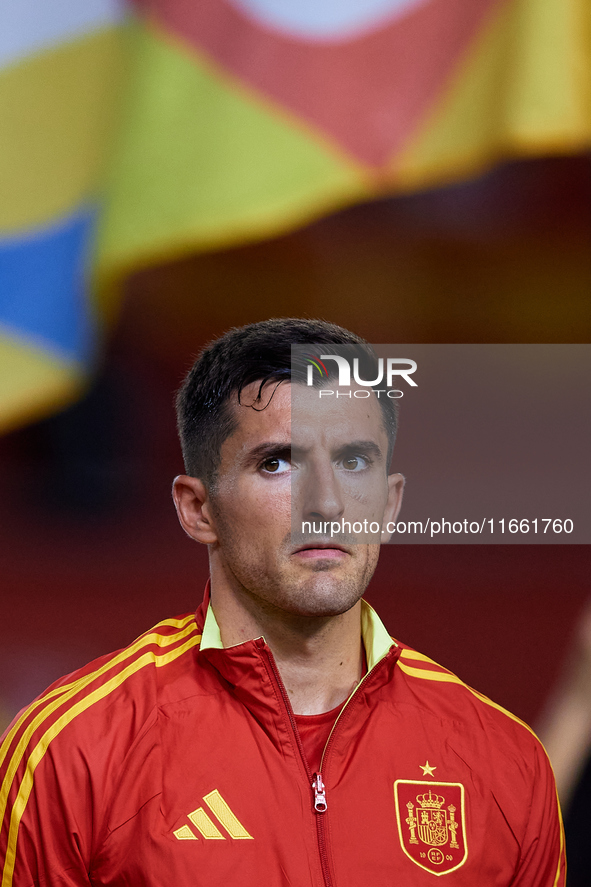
{"points": [[177, 762]]}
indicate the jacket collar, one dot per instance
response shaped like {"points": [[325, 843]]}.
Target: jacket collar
{"points": [[376, 639], [250, 672]]}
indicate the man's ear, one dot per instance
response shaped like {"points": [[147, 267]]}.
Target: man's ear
{"points": [[193, 507], [395, 489]]}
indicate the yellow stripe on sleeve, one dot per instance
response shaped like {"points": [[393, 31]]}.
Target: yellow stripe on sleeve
{"points": [[61, 695], [450, 678], [420, 657], [428, 675], [39, 751], [143, 640], [561, 851]]}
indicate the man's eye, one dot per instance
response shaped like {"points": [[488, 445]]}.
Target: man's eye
{"points": [[354, 463], [275, 465]]}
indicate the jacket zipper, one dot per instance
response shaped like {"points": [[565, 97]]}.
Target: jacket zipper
{"points": [[319, 794], [316, 780]]}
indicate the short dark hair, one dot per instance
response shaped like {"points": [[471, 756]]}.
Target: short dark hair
{"points": [[259, 352]]}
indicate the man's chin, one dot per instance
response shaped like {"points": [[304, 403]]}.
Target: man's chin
{"points": [[324, 595], [324, 565], [322, 609]]}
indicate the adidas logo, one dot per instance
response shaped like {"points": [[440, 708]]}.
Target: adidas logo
{"points": [[207, 827]]}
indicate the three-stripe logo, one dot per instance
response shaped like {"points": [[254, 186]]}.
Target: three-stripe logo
{"points": [[207, 827]]}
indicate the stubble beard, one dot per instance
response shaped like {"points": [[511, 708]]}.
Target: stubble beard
{"points": [[318, 590]]}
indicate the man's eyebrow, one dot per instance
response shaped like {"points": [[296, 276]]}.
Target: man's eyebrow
{"points": [[364, 447], [268, 450], [284, 450]]}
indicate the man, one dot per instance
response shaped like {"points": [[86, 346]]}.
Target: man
{"points": [[279, 736]]}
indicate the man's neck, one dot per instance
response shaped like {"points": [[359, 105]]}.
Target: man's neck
{"points": [[320, 659]]}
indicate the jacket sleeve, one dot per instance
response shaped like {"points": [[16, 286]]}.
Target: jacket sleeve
{"points": [[45, 810], [543, 859]]}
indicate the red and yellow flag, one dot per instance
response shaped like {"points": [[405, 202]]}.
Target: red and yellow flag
{"points": [[247, 117], [170, 126]]}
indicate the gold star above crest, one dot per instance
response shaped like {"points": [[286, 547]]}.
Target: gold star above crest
{"points": [[427, 768]]}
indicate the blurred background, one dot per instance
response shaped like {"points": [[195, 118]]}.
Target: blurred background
{"points": [[415, 170]]}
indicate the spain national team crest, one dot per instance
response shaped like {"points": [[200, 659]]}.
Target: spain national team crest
{"points": [[431, 823]]}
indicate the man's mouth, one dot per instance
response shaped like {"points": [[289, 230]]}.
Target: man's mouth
{"points": [[320, 549]]}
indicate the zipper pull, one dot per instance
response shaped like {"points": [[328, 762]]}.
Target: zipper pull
{"points": [[319, 794]]}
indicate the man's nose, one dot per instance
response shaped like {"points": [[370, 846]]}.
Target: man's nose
{"points": [[322, 494]]}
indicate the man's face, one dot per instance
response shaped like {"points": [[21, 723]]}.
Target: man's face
{"points": [[331, 466]]}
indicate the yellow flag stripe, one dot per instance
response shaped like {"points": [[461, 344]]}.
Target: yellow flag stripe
{"points": [[33, 382], [58, 110], [56, 728], [63, 694], [254, 170], [522, 89]]}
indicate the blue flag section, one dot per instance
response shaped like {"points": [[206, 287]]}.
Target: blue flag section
{"points": [[43, 279], [48, 328], [59, 79]]}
